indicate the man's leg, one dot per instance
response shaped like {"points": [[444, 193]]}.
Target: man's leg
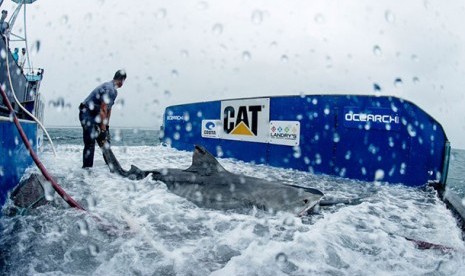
{"points": [[89, 146], [89, 134]]}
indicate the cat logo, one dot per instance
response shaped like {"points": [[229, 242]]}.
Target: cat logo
{"points": [[244, 123], [246, 119]]}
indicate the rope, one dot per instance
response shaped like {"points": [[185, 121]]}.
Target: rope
{"points": [[71, 202], [20, 105]]}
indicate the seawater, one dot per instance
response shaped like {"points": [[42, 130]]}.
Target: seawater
{"points": [[146, 230]]}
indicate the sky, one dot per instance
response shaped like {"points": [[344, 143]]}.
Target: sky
{"points": [[177, 52]]}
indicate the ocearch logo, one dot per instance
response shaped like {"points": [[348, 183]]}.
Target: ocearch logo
{"points": [[375, 118], [174, 118]]}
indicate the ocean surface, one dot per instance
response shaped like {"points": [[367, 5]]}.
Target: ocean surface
{"points": [[154, 232]]}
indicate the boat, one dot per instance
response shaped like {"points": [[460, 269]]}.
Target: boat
{"points": [[21, 83], [369, 138]]}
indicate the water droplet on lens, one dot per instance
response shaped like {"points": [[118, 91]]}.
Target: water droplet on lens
{"points": [[281, 258], [217, 29], [390, 18], [284, 58], [167, 93], [376, 87], [398, 82], [93, 250], [184, 53], [379, 175], [174, 73], [161, 13], [415, 58], [257, 17], [319, 18], [377, 50], [64, 19], [219, 151], [246, 56], [416, 80], [202, 5], [83, 227]]}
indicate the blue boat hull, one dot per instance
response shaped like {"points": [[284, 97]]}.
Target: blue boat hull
{"points": [[14, 157]]}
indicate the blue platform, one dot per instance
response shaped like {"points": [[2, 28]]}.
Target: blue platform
{"points": [[367, 138]]}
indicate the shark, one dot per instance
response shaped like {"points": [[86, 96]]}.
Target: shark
{"points": [[208, 184]]}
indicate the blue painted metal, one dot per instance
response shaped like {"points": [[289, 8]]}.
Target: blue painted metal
{"points": [[14, 157], [352, 136]]}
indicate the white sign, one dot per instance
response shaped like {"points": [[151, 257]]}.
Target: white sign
{"points": [[246, 119], [211, 128], [285, 133]]}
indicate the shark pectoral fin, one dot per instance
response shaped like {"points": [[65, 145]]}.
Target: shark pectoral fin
{"points": [[308, 208]]}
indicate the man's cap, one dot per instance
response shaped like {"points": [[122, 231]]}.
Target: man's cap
{"points": [[120, 75]]}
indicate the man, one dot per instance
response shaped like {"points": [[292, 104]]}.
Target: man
{"points": [[16, 54], [22, 60], [94, 114], [3, 24]]}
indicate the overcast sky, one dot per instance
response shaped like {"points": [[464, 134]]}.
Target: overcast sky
{"points": [[180, 51]]}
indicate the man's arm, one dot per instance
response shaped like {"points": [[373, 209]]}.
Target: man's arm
{"points": [[104, 116]]}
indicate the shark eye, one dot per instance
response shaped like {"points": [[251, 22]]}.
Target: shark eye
{"points": [[305, 201]]}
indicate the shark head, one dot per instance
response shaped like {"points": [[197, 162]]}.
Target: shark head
{"points": [[303, 201], [204, 163]]}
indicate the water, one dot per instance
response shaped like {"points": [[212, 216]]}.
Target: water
{"points": [[158, 233]]}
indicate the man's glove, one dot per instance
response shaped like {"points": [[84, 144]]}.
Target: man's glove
{"points": [[108, 134], [101, 138]]}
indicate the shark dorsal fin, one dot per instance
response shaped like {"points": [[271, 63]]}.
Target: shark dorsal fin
{"points": [[204, 163]]}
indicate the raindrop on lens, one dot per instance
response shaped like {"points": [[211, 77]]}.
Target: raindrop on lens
{"points": [[3, 53], [185, 53], [257, 17], [64, 19], [390, 18], [319, 18], [376, 87], [174, 73], [202, 5], [246, 56], [83, 227], [219, 151], [416, 80], [398, 82], [176, 136], [281, 258], [188, 127], [377, 51], [217, 29], [379, 175], [297, 152], [93, 250], [161, 13], [284, 59]]}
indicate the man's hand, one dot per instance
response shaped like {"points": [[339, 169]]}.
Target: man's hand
{"points": [[102, 138], [108, 134]]}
